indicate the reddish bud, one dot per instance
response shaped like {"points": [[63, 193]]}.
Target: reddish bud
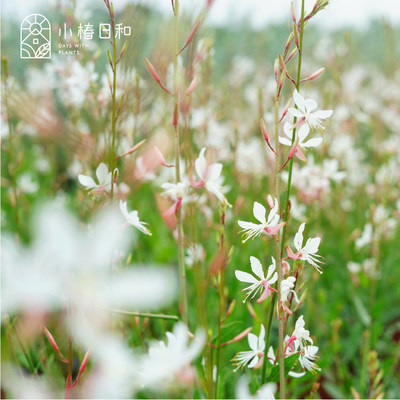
{"points": [[276, 66], [293, 12], [270, 201], [316, 74], [288, 104], [265, 134], [131, 150], [293, 52], [192, 86], [161, 158], [296, 35], [53, 343], [154, 74], [82, 367], [191, 35], [238, 337]]}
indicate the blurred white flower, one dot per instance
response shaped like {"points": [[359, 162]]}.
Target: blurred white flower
{"points": [[68, 265], [261, 281], [308, 252], [265, 392], [103, 177], [194, 253], [251, 357], [269, 226], [210, 177], [132, 218], [165, 362], [26, 184], [365, 238], [306, 111]]}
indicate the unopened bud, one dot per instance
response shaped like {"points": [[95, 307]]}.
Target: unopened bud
{"points": [[191, 35], [230, 309], [276, 66], [270, 201], [293, 52], [154, 74], [296, 35], [293, 12], [192, 86], [288, 43], [316, 74]]}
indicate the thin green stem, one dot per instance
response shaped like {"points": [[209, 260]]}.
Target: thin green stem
{"points": [[145, 315], [181, 255], [221, 305], [278, 257], [267, 338], [114, 109], [289, 185]]}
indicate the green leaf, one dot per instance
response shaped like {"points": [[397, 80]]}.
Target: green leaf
{"points": [[290, 362]]}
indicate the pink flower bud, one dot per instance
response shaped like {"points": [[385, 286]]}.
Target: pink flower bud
{"points": [[161, 158], [154, 74], [191, 35], [316, 74], [192, 86], [270, 201], [238, 337]]}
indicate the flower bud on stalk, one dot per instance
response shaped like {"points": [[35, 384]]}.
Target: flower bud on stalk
{"points": [[316, 74], [293, 12], [265, 134], [154, 74]]}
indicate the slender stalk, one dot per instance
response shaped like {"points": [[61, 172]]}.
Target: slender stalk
{"points": [[289, 185], [145, 315], [278, 258], [181, 255], [114, 109], [267, 337], [221, 304]]}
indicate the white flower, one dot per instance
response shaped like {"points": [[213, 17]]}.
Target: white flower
{"points": [[265, 392], [132, 218], [251, 357], [210, 177], [365, 238], [269, 226], [300, 336], [165, 361], [308, 252], [306, 111], [261, 281], [103, 177], [194, 254], [287, 286], [301, 135], [307, 356], [175, 191]]}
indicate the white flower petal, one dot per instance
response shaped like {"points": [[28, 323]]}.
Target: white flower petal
{"points": [[245, 277], [259, 212], [87, 181], [256, 267], [299, 100]]}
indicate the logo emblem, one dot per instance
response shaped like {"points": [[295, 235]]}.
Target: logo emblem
{"points": [[35, 37]]}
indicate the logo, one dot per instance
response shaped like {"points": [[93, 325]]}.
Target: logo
{"points": [[35, 37]]}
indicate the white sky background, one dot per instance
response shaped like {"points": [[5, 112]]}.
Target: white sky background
{"points": [[339, 13]]}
